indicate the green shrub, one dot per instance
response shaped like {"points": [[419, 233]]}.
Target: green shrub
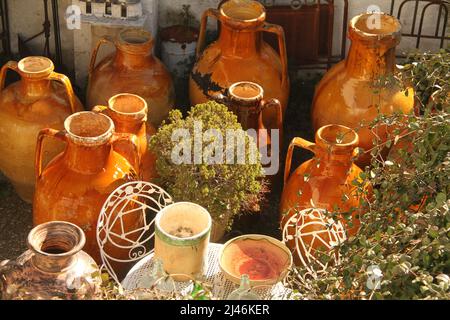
{"points": [[223, 189], [406, 230]]}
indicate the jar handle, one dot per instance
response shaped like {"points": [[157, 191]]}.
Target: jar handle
{"points": [[68, 86], [48, 132], [133, 140], [202, 35], [103, 40], [11, 65], [278, 30], [296, 142], [272, 103]]}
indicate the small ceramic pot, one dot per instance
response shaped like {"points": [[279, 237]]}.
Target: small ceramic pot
{"points": [[264, 259], [182, 233], [178, 44]]}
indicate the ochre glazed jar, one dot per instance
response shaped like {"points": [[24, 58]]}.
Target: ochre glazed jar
{"points": [[41, 99], [75, 184], [129, 113], [54, 267], [132, 68], [326, 181], [240, 54], [352, 93]]}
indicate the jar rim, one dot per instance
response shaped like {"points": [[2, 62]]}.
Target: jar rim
{"points": [[135, 40], [251, 7], [137, 114], [90, 140], [256, 86], [40, 234], [35, 66], [375, 26], [328, 135], [199, 235]]}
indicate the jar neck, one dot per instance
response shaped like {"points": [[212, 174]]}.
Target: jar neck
{"points": [[133, 60], [52, 263], [34, 87], [87, 159], [239, 43], [370, 60], [55, 245], [127, 124], [333, 164]]}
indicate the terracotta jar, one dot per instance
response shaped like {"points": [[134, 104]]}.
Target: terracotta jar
{"points": [[310, 234], [132, 68], [325, 181], [240, 54], [41, 99], [54, 267], [129, 114], [352, 93], [75, 184], [245, 99]]}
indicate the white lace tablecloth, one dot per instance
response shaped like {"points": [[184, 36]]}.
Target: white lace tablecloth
{"points": [[221, 287]]}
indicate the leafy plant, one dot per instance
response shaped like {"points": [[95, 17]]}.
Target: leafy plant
{"points": [[430, 73], [402, 250], [223, 188], [183, 17], [186, 15]]}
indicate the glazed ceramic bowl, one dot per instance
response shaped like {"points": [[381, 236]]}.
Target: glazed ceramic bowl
{"points": [[264, 259]]}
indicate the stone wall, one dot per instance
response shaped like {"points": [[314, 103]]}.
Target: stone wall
{"points": [[26, 17]]}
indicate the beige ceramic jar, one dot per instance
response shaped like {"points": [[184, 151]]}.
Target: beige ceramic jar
{"points": [[41, 99], [182, 233]]}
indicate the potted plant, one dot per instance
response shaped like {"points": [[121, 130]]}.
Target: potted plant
{"points": [[213, 174], [178, 43]]}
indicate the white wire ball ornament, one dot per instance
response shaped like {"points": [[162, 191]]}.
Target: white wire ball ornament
{"points": [[310, 233], [137, 201]]}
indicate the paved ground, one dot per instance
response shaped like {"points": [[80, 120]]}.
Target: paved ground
{"points": [[15, 221], [16, 215]]}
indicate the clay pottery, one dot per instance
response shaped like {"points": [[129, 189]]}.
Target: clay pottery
{"points": [[132, 68], [178, 45], [240, 54], [325, 181], [129, 114], [311, 234], [353, 92], [77, 182], [54, 267], [264, 259], [182, 233], [245, 99], [41, 99]]}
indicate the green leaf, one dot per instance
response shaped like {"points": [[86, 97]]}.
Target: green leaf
{"points": [[441, 198]]}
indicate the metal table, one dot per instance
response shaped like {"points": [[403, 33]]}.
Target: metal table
{"points": [[221, 287]]}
